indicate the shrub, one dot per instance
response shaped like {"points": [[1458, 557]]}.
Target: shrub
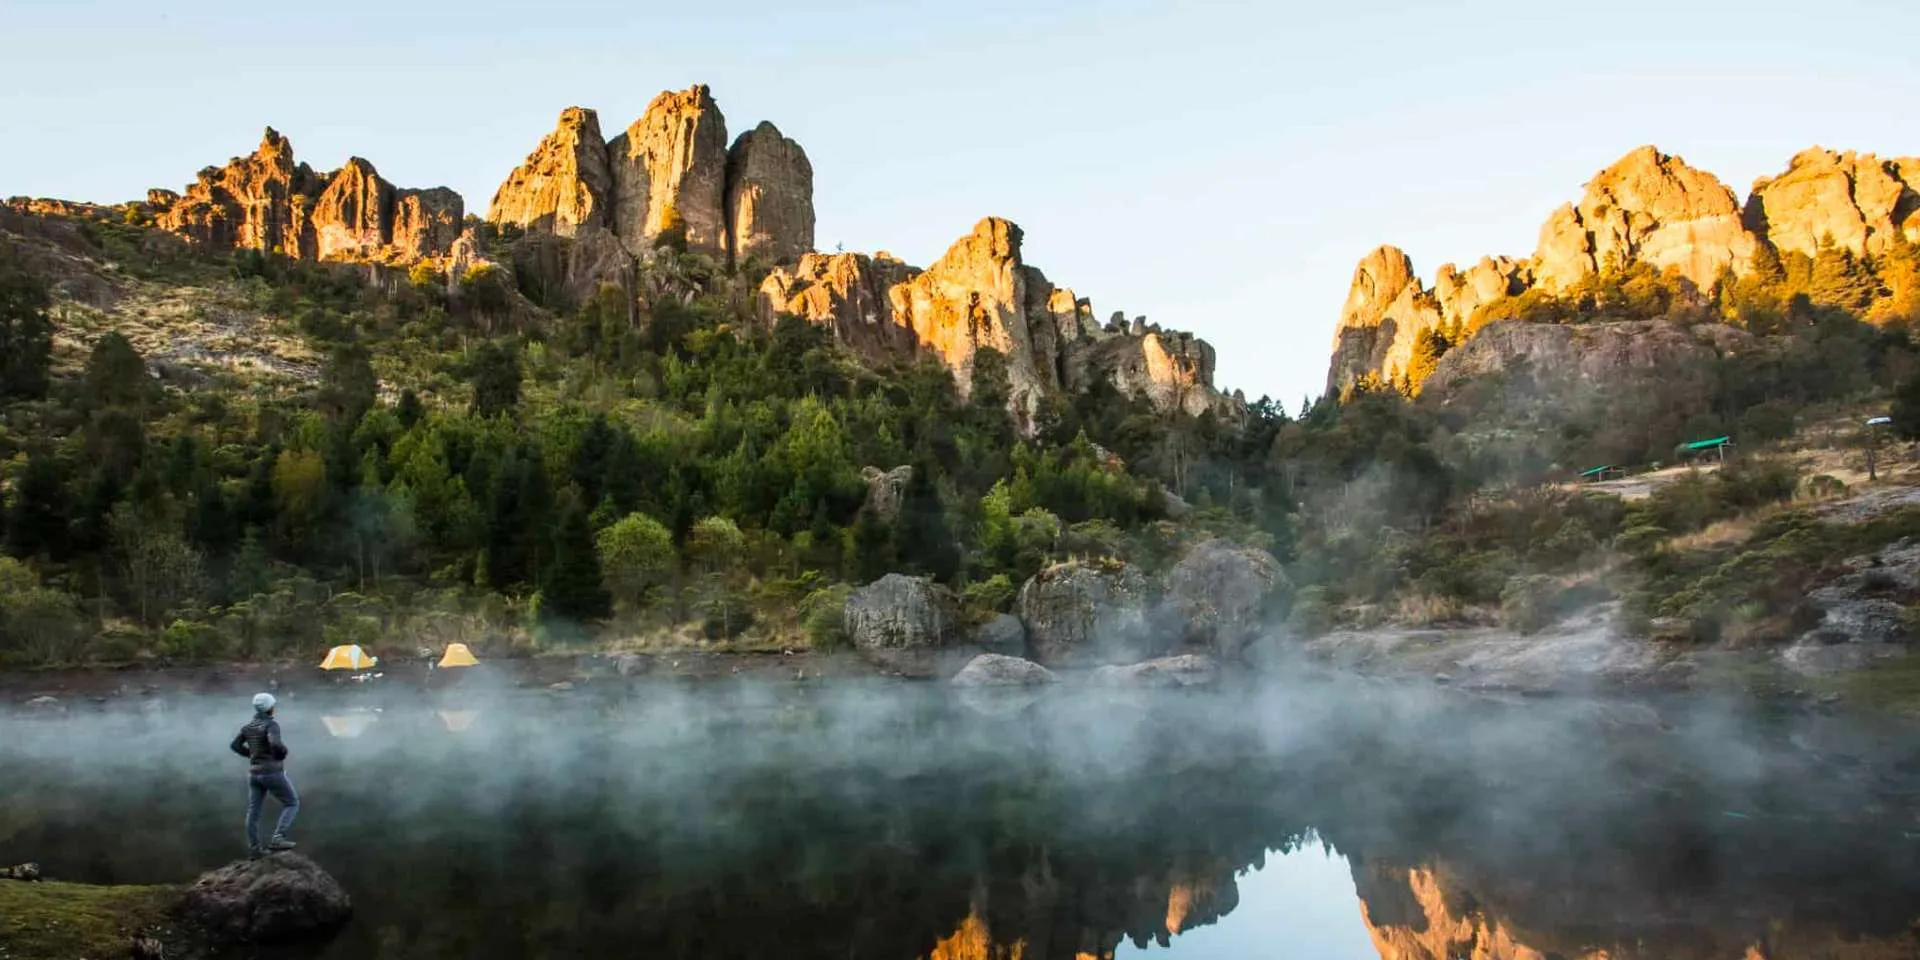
{"points": [[1312, 614], [1528, 604], [822, 618], [992, 595], [37, 624], [192, 641]]}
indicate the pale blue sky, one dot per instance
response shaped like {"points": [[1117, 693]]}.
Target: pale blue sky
{"points": [[1216, 165]]}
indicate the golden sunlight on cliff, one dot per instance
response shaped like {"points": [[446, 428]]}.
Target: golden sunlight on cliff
{"points": [[1469, 936], [1453, 928], [1179, 903], [972, 941]]}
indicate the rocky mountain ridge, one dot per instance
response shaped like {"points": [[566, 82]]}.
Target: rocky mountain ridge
{"points": [[265, 201], [584, 212], [1648, 207]]}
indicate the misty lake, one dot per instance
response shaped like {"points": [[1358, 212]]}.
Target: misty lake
{"points": [[1331, 818]]}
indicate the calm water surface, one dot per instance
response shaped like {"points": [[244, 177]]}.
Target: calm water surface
{"points": [[1324, 819]]}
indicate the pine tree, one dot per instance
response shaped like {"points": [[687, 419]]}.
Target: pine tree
{"points": [[409, 410], [519, 508], [39, 509], [496, 381], [116, 375], [1839, 279], [210, 523], [1428, 348], [26, 335], [1899, 270], [571, 587], [348, 387], [1906, 409]]}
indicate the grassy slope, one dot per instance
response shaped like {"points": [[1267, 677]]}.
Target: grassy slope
{"points": [[66, 921]]}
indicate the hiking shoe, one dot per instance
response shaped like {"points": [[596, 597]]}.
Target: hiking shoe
{"points": [[255, 853], [278, 844]]}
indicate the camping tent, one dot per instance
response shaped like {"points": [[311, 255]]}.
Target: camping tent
{"points": [[458, 656], [348, 658]]}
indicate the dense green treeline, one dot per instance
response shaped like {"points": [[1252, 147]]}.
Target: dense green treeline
{"points": [[617, 467], [479, 461]]}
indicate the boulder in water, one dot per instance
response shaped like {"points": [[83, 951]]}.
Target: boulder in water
{"points": [[280, 897], [1186, 670], [994, 670]]}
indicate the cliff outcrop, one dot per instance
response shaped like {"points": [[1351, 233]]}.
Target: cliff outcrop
{"points": [[1648, 208], [769, 197], [670, 174], [982, 295], [669, 178], [565, 184], [582, 212], [265, 201], [1859, 201]]}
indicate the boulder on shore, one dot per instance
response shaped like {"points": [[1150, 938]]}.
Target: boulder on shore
{"points": [[1218, 592], [280, 897], [1086, 613], [994, 670], [903, 623]]}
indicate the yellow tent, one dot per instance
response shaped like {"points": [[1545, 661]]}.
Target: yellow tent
{"points": [[349, 725], [458, 656], [348, 658], [458, 720]]}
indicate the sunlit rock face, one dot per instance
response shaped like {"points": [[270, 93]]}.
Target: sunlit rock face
{"points": [[769, 197], [266, 202], [1647, 207], [261, 201], [670, 173], [564, 186], [982, 295], [1858, 201], [1388, 310]]}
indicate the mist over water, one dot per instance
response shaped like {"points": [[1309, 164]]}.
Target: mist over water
{"points": [[890, 820]]}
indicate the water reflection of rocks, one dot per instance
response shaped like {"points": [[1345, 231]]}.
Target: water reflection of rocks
{"points": [[800, 827]]}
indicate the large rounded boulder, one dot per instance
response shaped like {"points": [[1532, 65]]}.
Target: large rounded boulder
{"points": [[994, 670], [903, 623], [1003, 634], [1217, 595], [275, 898], [1086, 614]]}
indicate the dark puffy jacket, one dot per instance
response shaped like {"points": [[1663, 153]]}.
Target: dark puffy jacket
{"points": [[259, 741]]}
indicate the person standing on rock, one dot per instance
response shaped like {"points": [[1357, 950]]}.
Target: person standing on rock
{"points": [[259, 741]]}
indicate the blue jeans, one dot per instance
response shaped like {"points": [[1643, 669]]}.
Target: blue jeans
{"points": [[258, 786]]}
